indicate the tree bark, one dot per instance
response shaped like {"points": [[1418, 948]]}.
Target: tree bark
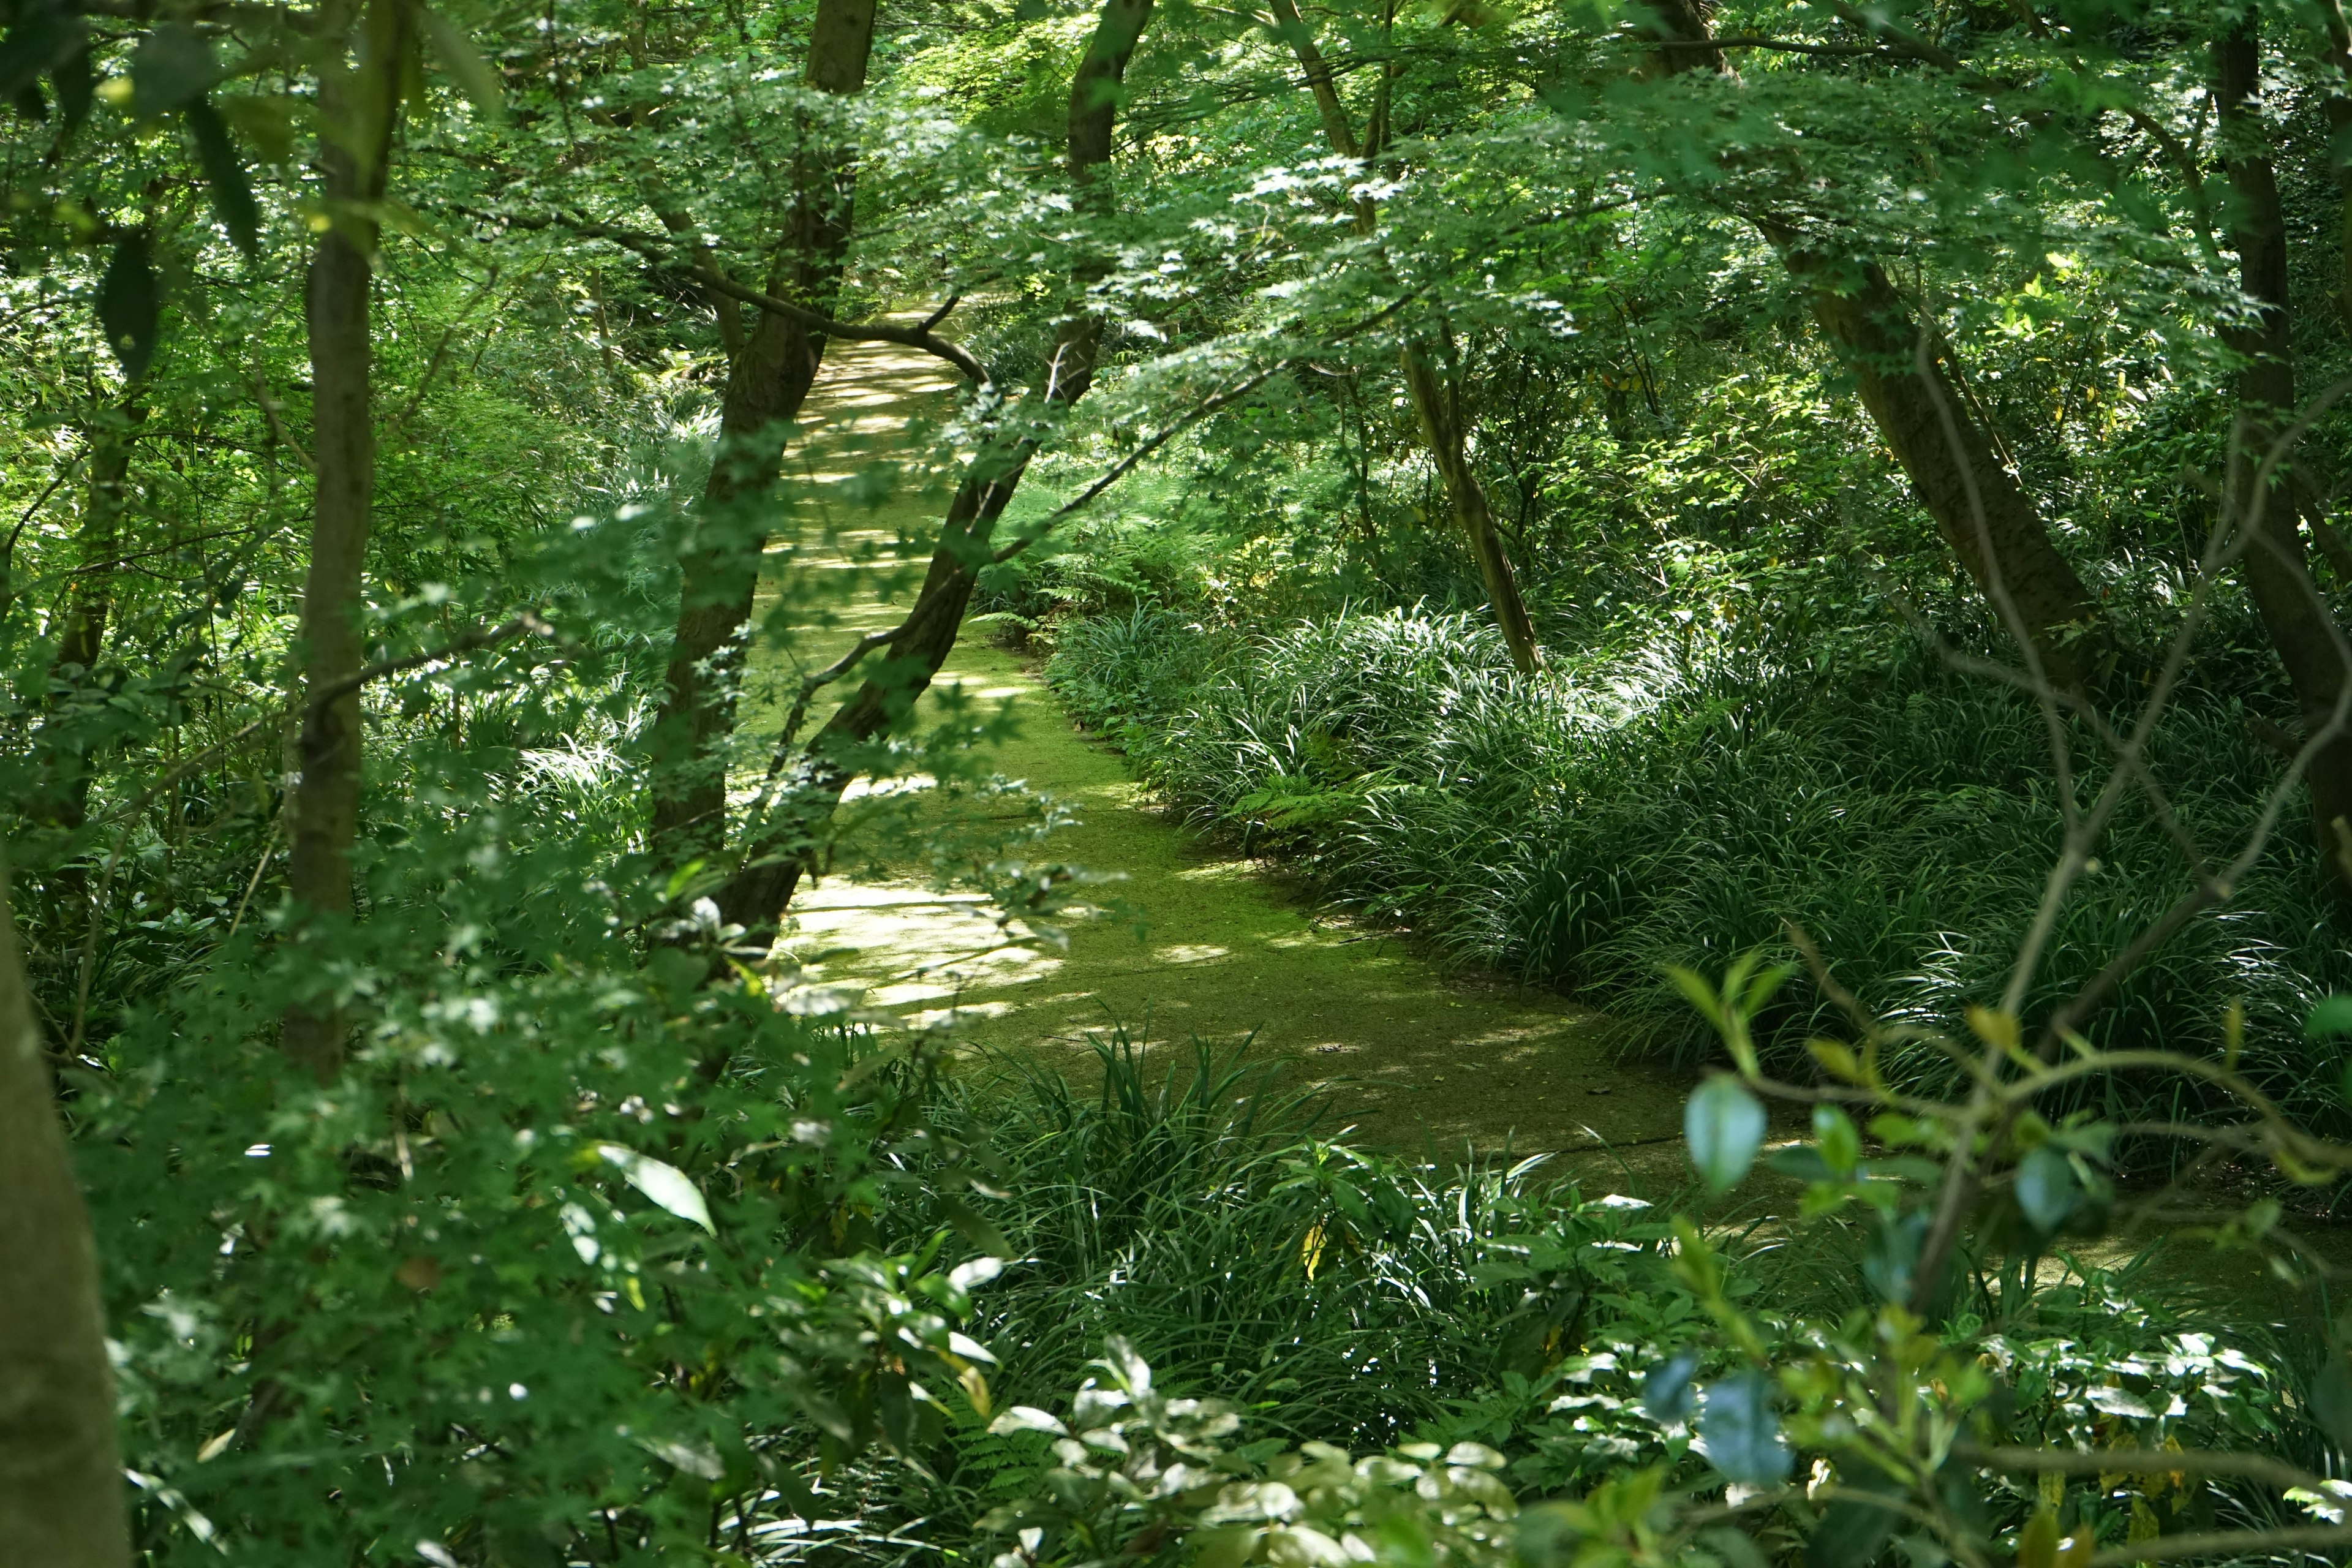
{"points": [[2276, 571], [768, 378], [327, 798], [1434, 390], [62, 1503], [778, 850], [1979, 506], [1980, 509]]}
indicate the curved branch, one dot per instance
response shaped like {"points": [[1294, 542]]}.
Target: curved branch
{"points": [[658, 248]]}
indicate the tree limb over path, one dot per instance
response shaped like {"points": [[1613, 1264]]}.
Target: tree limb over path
{"points": [[659, 247]]}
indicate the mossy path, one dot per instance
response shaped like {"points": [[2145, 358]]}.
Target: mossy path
{"points": [[1416, 1059]]}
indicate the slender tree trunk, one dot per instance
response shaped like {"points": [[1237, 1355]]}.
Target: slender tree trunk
{"points": [[1437, 403], [88, 605], [1981, 511], [2277, 573], [768, 378], [777, 850], [61, 1488], [1434, 387], [327, 799]]}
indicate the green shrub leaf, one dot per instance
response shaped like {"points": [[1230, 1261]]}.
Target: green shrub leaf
{"points": [[1741, 1433], [1724, 1126]]}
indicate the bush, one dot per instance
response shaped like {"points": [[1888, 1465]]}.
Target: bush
{"points": [[1588, 827]]}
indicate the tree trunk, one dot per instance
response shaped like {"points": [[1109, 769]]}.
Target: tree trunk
{"points": [[768, 378], [778, 850], [1437, 403], [1435, 392], [61, 1488], [1981, 511], [88, 605], [327, 799], [1979, 508], [2277, 573]]}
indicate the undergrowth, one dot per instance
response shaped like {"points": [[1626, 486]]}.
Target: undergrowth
{"points": [[1189, 1212], [1588, 826]]}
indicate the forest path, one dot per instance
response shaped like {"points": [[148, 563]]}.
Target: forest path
{"points": [[1416, 1059]]}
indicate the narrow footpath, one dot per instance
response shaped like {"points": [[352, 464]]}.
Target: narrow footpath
{"points": [[1414, 1058]]}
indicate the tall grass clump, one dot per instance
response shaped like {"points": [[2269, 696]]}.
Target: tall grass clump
{"points": [[1587, 827]]}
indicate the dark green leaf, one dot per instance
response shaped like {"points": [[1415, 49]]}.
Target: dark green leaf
{"points": [[466, 66], [2331, 1399], [2047, 1189], [1668, 1393], [1549, 1536], [40, 39], [130, 305], [1741, 1433], [1893, 1257], [975, 1227], [1855, 1530], [1724, 1126], [2333, 1015], [224, 173], [172, 65], [75, 82]]}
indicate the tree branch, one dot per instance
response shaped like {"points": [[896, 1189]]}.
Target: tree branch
{"points": [[657, 247]]}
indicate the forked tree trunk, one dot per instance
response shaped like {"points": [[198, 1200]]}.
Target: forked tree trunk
{"points": [[777, 850], [1434, 388], [365, 102], [768, 378], [2277, 573], [61, 1487], [1979, 506]]}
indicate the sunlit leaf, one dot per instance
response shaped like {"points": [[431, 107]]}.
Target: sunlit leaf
{"points": [[669, 1187], [1724, 1126]]}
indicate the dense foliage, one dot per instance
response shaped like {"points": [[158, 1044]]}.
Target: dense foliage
{"points": [[1814, 526]]}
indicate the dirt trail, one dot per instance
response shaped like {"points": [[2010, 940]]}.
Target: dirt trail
{"points": [[1415, 1059]]}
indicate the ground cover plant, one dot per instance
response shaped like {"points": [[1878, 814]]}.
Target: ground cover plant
{"points": [[1813, 523]]}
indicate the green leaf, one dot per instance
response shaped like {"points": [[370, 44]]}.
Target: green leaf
{"points": [[2333, 1015], [224, 173], [130, 305], [75, 83], [467, 67], [669, 1187], [171, 66], [1839, 1144], [1856, 1527], [975, 1227], [41, 40], [2331, 1399], [2047, 1189], [1741, 1433], [1668, 1395], [1724, 1126]]}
